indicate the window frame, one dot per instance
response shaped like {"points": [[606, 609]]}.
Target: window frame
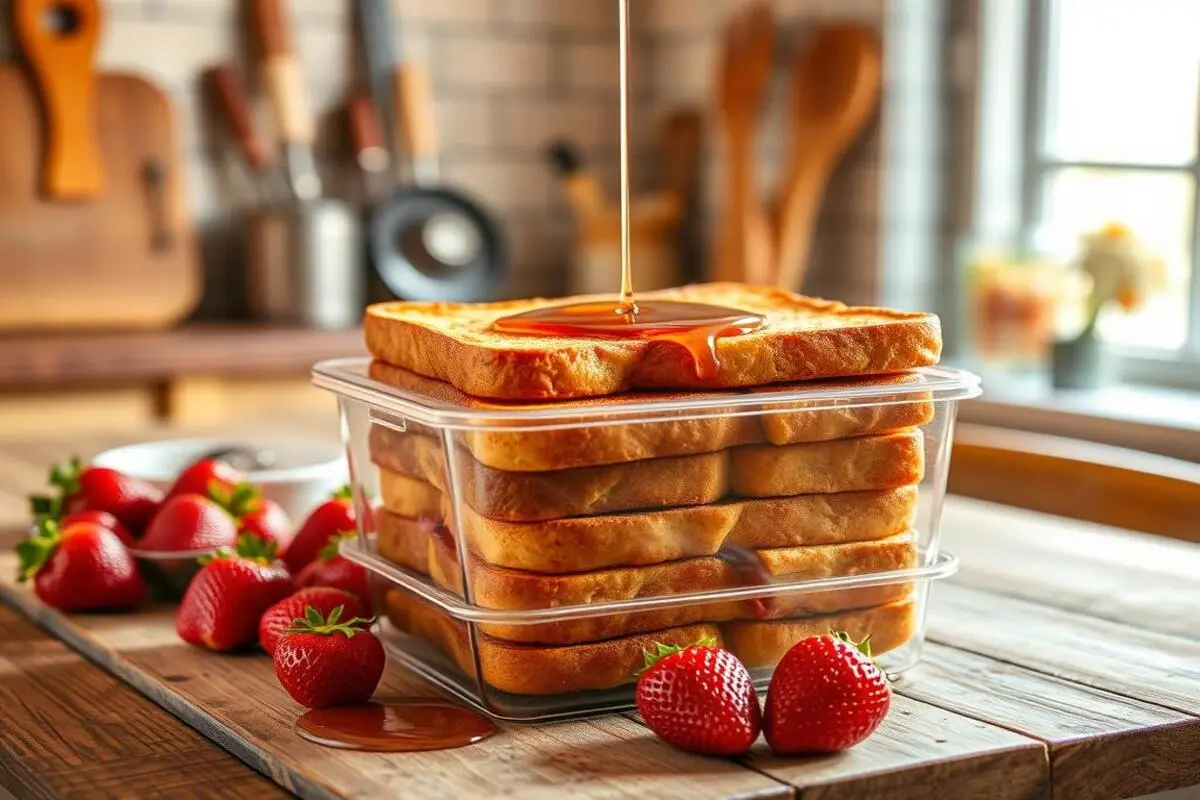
{"points": [[1142, 365]]}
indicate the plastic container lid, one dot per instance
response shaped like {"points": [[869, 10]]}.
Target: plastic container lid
{"points": [[349, 378]]}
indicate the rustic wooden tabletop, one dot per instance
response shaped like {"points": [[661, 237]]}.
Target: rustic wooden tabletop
{"points": [[1063, 661]]}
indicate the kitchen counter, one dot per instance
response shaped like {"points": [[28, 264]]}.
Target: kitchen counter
{"points": [[1064, 661]]}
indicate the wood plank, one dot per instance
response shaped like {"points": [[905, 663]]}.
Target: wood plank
{"points": [[69, 728], [921, 751], [236, 702], [1100, 744], [193, 349], [1140, 580], [1146, 665]]}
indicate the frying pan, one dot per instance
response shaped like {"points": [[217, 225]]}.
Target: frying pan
{"points": [[427, 241]]}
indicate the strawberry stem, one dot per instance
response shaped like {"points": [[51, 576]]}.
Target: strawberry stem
{"points": [[65, 476], [250, 547], [661, 651], [239, 501], [341, 493], [863, 647], [35, 551], [313, 622], [333, 548]]}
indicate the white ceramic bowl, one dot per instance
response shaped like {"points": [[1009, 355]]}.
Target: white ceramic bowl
{"points": [[302, 476]]}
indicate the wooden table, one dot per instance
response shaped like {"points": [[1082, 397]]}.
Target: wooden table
{"points": [[1063, 661]]}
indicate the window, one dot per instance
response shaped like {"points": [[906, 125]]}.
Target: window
{"points": [[1114, 135]]}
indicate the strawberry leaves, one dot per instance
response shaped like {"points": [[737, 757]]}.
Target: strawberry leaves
{"points": [[239, 501], [661, 651], [863, 647], [314, 622], [333, 548], [35, 551]]}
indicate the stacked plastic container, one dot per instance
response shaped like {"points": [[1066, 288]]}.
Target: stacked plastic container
{"points": [[527, 555]]}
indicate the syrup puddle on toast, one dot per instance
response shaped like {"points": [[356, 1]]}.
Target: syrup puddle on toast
{"points": [[694, 326], [395, 727]]}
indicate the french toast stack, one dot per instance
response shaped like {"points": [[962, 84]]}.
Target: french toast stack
{"points": [[634, 504]]}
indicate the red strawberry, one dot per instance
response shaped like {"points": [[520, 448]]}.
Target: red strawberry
{"points": [[330, 519], [204, 477], [699, 698], [333, 569], [826, 695], [101, 518], [324, 662], [190, 522], [256, 515], [227, 598], [131, 501], [323, 598], [80, 567]]}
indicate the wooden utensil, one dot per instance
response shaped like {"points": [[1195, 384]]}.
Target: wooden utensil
{"points": [[681, 142], [743, 242], [58, 38], [835, 91], [417, 123], [284, 83], [123, 254], [370, 150], [256, 157]]}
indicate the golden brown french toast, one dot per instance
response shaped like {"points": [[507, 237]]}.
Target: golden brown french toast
{"points": [[543, 670], [585, 446], [867, 463], [803, 339], [582, 544]]}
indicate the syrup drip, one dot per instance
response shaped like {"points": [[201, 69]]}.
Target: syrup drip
{"points": [[399, 727], [694, 326]]}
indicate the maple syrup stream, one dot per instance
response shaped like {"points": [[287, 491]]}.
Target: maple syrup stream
{"points": [[694, 326]]}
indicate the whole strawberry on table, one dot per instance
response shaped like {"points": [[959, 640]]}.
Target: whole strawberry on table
{"points": [[323, 661], [826, 694]]}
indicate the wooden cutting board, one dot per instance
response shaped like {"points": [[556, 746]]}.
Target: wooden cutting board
{"points": [[119, 253]]}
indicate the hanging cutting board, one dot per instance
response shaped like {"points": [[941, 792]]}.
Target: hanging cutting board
{"points": [[94, 228]]}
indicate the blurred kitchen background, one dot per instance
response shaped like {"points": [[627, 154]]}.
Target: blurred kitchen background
{"points": [[1024, 167]]}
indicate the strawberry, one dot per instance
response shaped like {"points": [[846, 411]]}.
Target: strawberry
{"points": [[80, 567], [826, 695], [330, 519], [323, 598], [131, 501], [204, 477], [101, 518], [322, 661], [227, 598], [333, 569], [190, 522], [256, 515], [699, 698]]}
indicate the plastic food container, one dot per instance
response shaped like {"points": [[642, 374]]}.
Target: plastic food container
{"points": [[525, 556]]}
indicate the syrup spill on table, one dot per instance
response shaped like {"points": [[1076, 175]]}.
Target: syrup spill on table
{"points": [[695, 326], [395, 727]]}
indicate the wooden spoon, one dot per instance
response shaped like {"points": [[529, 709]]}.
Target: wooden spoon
{"points": [[742, 250], [836, 90]]}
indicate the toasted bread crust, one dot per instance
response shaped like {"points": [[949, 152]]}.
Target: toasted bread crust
{"points": [[868, 463], [542, 670], [804, 339], [763, 644], [582, 544], [567, 448], [494, 587]]}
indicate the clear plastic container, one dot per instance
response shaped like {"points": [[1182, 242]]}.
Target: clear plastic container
{"points": [[527, 555]]}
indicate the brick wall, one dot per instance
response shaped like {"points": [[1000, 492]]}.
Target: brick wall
{"points": [[509, 76]]}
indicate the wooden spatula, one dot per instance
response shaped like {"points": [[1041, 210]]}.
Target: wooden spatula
{"points": [[742, 248], [835, 91], [58, 38]]}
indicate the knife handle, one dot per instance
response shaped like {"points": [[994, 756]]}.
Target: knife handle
{"points": [[366, 133], [414, 104], [231, 97], [281, 72], [61, 61]]}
